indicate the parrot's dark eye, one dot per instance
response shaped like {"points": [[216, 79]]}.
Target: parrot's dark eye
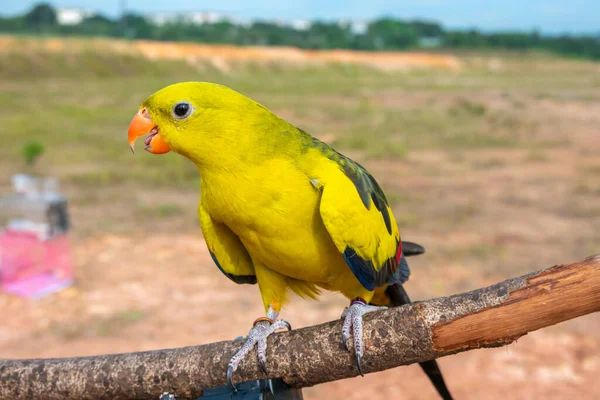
{"points": [[182, 110]]}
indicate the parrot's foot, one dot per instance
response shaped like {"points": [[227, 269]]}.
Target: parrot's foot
{"points": [[353, 320], [263, 327]]}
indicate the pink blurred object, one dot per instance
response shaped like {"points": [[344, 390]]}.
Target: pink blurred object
{"points": [[35, 256], [32, 267]]}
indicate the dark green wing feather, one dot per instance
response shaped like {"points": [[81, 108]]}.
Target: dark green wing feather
{"points": [[369, 241]]}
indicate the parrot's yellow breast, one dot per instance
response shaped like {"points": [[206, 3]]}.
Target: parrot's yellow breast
{"points": [[274, 209]]}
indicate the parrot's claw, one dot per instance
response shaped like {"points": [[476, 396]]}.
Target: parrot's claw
{"points": [[230, 378], [286, 325], [257, 336], [358, 364], [263, 366], [353, 321]]}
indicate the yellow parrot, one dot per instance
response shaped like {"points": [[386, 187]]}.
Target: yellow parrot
{"points": [[280, 208]]}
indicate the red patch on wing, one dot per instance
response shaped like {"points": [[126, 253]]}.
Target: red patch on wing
{"points": [[398, 253]]}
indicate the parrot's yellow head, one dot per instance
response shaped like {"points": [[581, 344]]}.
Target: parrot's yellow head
{"points": [[199, 120]]}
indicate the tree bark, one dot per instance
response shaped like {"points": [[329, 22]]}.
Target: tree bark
{"points": [[488, 317]]}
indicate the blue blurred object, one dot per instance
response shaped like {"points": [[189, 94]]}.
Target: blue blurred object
{"points": [[266, 389]]}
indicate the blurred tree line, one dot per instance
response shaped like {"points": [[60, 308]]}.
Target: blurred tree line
{"points": [[381, 34]]}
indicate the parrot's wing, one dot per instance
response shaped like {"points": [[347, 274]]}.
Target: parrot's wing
{"points": [[361, 224], [226, 250]]}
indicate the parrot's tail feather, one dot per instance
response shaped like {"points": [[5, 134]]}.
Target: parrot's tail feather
{"points": [[412, 249], [399, 297]]}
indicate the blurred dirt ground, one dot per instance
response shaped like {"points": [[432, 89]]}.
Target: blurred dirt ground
{"points": [[145, 293], [493, 167]]}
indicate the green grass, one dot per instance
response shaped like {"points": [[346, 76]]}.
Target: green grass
{"points": [[482, 252], [466, 107], [537, 155], [490, 163], [78, 105], [166, 210]]}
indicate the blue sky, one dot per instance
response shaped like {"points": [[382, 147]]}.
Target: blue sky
{"points": [[549, 16]]}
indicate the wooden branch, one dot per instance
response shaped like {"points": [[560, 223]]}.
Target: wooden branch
{"points": [[489, 317]]}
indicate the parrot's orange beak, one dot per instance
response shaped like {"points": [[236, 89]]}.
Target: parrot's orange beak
{"points": [[142, 124]]}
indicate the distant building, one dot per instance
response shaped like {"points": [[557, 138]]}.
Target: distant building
{"points": [[300, 24], [161, 19], [356, 27], [72, 16], [196, 17], [208, 17]]}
